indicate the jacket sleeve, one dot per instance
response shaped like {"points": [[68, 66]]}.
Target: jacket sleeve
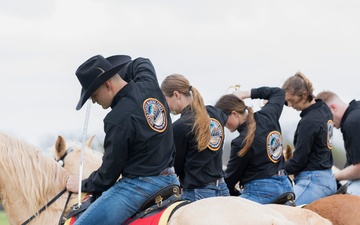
{"points": [[275, 97], [236, 166], [113, 161], [180, 139], [303, 145], [140, 69]]}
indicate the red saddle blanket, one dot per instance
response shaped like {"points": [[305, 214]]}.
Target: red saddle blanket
{"points": [[160, 218]]}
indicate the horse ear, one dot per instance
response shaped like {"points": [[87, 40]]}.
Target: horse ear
{"points": [[89, 141], [60, 146]]}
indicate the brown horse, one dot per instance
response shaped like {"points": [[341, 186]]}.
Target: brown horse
{"points": [[216, 210], [339, 209]]}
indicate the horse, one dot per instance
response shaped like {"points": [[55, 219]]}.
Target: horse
{"points": [[339, 209], [32, 185], [223, 210], [215, 210]]}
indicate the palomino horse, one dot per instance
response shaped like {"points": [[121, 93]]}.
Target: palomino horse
{"points": [[217, 210], [29, 180]]}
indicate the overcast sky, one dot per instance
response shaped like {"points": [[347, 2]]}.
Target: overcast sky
{"points": [[213, 43]]}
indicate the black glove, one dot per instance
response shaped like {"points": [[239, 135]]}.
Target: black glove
{"points": [[234, 192], [338, 184]]}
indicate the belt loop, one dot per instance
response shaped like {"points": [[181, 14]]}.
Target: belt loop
{"points": [[217, 183]]}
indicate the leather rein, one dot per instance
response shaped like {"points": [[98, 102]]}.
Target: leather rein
{"points": [[56, 197]]}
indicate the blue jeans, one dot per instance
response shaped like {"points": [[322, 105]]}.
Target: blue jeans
{"points": [[266, 190], [122, 200], [354, 187], [312, 185], [210, 190]]}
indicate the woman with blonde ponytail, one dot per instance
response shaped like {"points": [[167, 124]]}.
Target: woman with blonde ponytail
{"points": [[312, 159], [199, 137], [256, 156]]}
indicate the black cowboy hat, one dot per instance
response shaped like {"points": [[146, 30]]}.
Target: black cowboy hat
{"points": [[95, 71]]}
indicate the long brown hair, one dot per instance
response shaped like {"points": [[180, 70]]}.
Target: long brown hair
{"points": [[229, 103], [295, 85], [201, 127]]}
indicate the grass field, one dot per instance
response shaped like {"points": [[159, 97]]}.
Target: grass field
{"points": [[3, 219]]}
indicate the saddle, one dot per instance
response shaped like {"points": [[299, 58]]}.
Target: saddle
{"points": [[158, 201], [288, 198]]}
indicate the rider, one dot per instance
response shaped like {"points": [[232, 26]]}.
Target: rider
{"points": [[256, 157], [312, 159], [347, 117], [138, 143], [199, 139]]}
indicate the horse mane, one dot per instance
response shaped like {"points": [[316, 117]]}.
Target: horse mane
{"points": [[30, 174]]}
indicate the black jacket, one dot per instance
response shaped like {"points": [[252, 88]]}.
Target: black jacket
{"points": [[312, 140], [350, 128], [265, 157], [196, 169], [139, 135]]}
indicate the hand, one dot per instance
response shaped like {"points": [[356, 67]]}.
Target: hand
{"points": [[72, 183], [242, 94]]}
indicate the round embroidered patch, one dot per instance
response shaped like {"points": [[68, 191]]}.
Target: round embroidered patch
{"points": [[330, 133], [274, 146], [155, 114], [217, 134]]}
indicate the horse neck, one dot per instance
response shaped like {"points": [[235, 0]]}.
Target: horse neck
{"points": [[18, 209], [28, 181], [50, 215]]}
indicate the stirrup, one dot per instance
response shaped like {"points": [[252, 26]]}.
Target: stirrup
{"points": [[287, 198], [342, 189]]}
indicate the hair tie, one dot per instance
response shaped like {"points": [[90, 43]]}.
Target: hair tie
{"points": [[191, 93]]}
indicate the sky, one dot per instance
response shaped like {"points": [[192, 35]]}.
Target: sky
{"points": [[215, 44]]}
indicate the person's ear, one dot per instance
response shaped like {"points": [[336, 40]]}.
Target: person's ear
{"points": [[176, 94], [108, 85], [234, 113], [333, 107], [304, 94]]}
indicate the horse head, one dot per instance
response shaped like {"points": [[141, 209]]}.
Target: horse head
{"points": [[68, 154]]}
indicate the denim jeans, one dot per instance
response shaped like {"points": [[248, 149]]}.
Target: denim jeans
{"points": [[210, 190], [122, 200], [266, 190], [354, 187], [312, 185]]}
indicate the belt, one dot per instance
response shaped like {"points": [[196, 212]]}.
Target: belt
{"points": [[168, 171], [217, 182], [281, 173]]}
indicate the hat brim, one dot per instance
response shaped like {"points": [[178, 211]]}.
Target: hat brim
{"points": [[85, 94]]}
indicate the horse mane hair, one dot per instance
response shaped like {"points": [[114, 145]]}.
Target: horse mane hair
{"points": [[30, 174]]}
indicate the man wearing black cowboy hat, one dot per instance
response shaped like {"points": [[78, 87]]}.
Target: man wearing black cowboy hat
{"points": [[138, 142]]}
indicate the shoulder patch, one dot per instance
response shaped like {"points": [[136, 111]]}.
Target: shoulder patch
{"points": [[217, 134], [155, 114], [274, 146], [330, 134]]}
